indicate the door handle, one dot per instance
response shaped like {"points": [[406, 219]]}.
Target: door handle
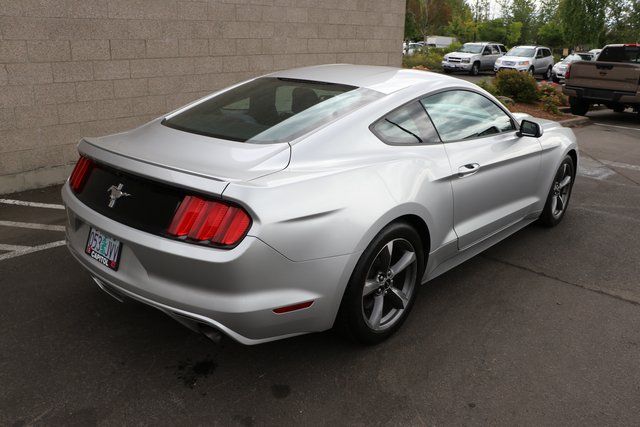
{"points": [[468, 169]]}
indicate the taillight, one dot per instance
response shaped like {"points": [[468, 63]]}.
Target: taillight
{"points": [[80, 172], [216, 222], [567, 73]]}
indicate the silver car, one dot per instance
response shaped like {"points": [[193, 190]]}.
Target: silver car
{"points": [[311, 197]]}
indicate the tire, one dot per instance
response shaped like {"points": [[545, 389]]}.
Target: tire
{"points": [[376, 301], [556, 80], [547, 74], [475, 69], [532, 71], [559, 194], [578, 106], [619, 109], [447, 71]]}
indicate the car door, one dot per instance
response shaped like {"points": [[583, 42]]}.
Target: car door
{"points": [[538, 61], [495, 173], [487, 59]]}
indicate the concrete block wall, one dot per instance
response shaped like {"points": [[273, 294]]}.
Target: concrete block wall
{"points": [[73, 68]]}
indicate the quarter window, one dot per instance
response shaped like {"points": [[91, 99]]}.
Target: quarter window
{"points": [[462, 114], [406, 125]]}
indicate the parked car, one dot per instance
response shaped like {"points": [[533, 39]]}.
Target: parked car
{"points": [[612, 80], [558, 70], [594, 54], [413, 48], [311, 197], [532, 59], [440, 41], [473, 57]]}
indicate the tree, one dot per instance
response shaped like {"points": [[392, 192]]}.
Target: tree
{"points": [[583, 21], [500, 30], [550, 34], [522, 11]]}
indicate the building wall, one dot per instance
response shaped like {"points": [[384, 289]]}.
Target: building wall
{"points": [[73, 68]]}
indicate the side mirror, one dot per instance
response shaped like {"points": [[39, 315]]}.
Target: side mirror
{"points": [[528, 128]]}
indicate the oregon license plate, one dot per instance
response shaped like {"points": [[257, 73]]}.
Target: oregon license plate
{"points": [[104, 249]]}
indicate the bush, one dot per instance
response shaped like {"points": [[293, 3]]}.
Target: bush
{"points": [[431, 58], [550, 97], [519, 86], [487, 84]]}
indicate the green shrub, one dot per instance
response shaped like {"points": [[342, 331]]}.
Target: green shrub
{"points": [[431, 58], [519, 86], [487, 84], [551, 97]]}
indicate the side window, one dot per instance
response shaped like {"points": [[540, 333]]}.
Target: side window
{"points": [[463, 114], [495, 50], [547, 53], [503, 49], [406, 125], [487, 50], [539, 53]]}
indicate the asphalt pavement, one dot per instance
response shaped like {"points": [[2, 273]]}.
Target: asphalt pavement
{"points": [[543, 328]]}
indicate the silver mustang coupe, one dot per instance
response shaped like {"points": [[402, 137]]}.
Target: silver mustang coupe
{"points": [[311, 197]]}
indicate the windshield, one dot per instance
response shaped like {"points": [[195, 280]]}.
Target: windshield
{"points": [[270, 109], [471, 48], [527, 52]]}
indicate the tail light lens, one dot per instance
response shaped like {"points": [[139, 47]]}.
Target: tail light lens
{"points": [[216, 222], [567, 73], [80, 172]]}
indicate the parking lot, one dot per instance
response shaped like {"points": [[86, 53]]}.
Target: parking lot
{"points": [[543, 328]]}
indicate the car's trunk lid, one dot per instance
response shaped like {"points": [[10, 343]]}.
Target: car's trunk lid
{"points": [[197, 155]]}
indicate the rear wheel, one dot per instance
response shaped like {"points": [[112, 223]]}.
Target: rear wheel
{"points": [[384, 284], [531, 71], [578, 106], [559, 194], [547, 75]]}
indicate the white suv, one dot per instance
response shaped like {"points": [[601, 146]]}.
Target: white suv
{"points": [[473, 57], [533, 59]]}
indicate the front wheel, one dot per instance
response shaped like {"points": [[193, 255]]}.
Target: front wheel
{"points": [[558, 197], [475, 69], [384, 284]]}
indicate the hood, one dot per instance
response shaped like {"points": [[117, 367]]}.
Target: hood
{"points": [[515, 58], [461, 55], [159, 145]]}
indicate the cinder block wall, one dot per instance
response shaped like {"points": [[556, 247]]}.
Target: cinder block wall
{"points": [[73, 68]]}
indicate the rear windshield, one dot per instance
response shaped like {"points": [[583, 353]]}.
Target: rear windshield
{"points": [[270, 109], [620, 54]]}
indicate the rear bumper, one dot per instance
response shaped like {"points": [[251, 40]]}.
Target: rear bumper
{"points": [[233, 291], [599, 95], [497, 68]]}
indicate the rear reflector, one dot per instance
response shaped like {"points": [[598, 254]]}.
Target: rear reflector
{"points": [[294, 307], [217, 222], [80, 172]]}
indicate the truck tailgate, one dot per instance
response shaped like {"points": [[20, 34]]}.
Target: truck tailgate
{"points": [[610, 76]]}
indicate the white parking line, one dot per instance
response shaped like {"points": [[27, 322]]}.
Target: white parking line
{"points": [[31, 204], [12, 247], [621, 165], [30, 250], [619, 127], [32, 225]]}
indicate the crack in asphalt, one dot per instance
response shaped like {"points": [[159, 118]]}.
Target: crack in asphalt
{"points": [[566, 282]]}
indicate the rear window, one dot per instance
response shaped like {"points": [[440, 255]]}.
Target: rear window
{"points": [[620, 54], [270, 109]]}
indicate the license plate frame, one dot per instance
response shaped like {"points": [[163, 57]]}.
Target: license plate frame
{"points": [[103, 248]]}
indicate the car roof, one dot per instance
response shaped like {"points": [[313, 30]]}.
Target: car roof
{"points": [[382, 79]]}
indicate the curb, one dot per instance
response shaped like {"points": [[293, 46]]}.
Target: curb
{"points": [[575, 121]]}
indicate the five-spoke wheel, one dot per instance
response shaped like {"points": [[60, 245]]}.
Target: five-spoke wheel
{"points": [[558, 198], [384, 284]]}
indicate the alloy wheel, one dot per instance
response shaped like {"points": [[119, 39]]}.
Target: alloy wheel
{"points": [[389, 284], [561, 190]]}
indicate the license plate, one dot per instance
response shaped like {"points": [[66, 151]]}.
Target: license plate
{"points": [[104, 249]]}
